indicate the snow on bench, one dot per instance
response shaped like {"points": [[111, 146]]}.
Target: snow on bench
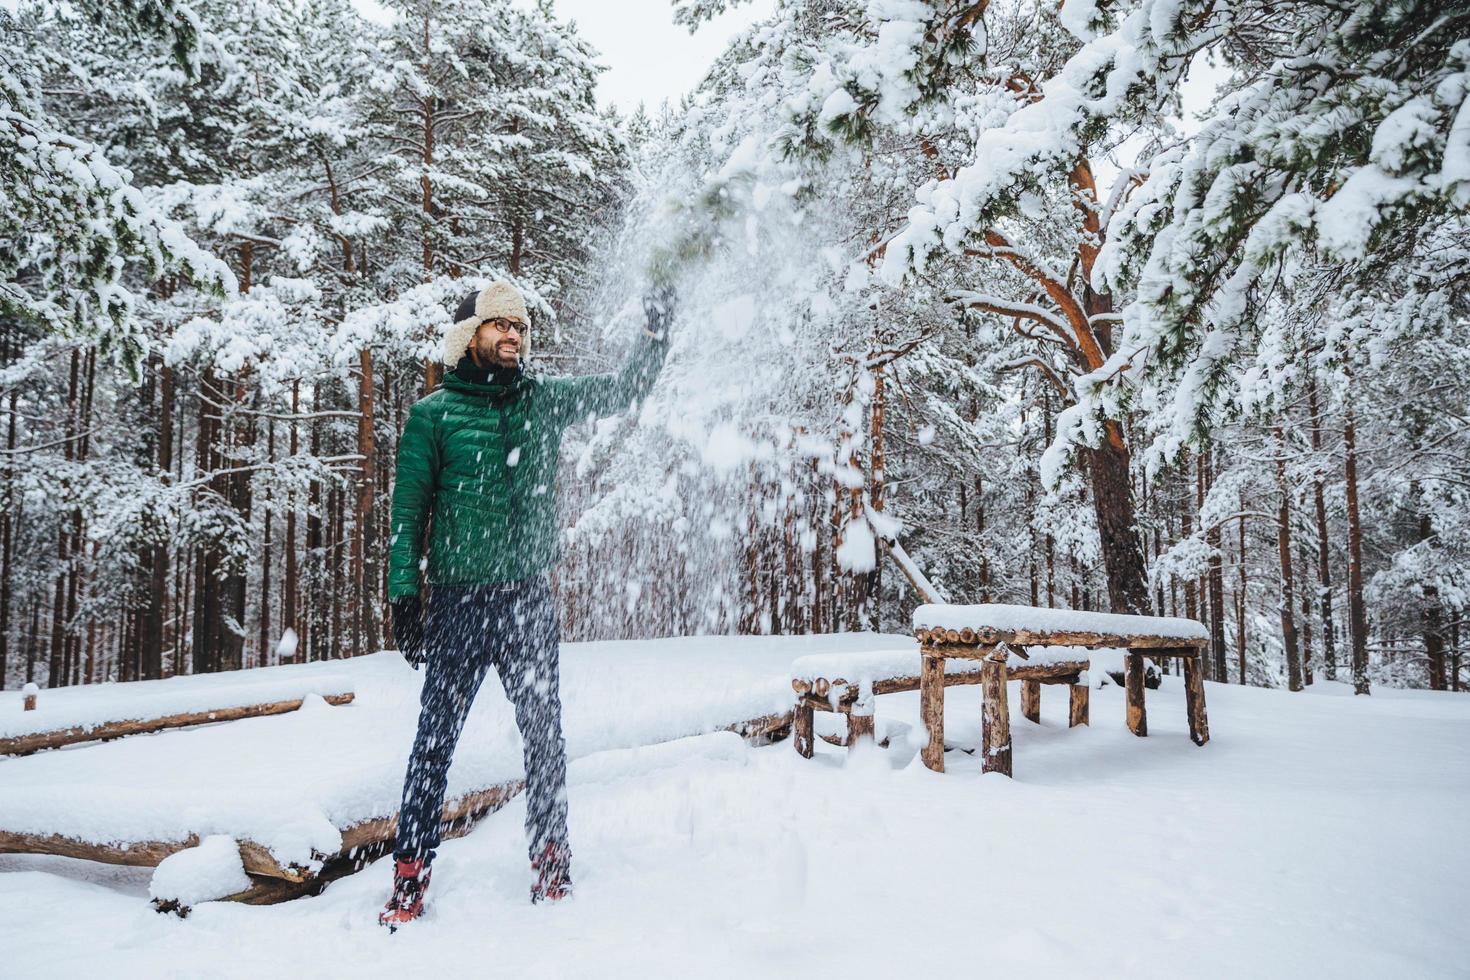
{"points": [[301, 792], [66, 716], [992, 623]]}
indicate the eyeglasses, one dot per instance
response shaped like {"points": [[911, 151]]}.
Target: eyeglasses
{"points": [[503, 325]]}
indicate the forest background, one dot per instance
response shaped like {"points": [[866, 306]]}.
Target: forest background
{"points": [[970, 308]]}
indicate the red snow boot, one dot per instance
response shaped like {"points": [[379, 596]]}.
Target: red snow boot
{"points": [[410, 881], [553, 869]]}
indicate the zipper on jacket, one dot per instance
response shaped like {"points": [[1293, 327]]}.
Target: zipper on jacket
{"points": [[510, 471]]}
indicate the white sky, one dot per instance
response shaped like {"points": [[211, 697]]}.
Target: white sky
{"points": [[649, 58]]}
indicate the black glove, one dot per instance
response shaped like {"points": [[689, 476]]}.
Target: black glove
{"points": [[408, 628], [658, 311]]}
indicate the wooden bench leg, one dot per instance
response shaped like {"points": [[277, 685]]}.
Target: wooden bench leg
{"points": [[1077, 713], [995, 721], [931, 709], [802, 726], [859, 723], [1194, 700], [1031, 700], [1133, 688]]}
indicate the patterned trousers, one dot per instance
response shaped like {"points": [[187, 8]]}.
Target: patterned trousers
{"points": [[468, 629]]}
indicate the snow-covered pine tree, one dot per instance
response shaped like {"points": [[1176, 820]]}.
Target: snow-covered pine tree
{"points": [[75, 222]]}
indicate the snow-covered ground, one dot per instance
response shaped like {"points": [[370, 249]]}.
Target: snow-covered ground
{"points": [[291, 782], [1315, 835]]}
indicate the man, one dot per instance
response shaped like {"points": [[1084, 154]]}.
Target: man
{"points": [[479, 454]]}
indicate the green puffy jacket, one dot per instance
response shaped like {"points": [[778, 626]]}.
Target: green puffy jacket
{"points": [[482, 460]]}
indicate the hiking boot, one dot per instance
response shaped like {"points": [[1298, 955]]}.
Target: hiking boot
{"points": [[410, 881], [553, 867]]}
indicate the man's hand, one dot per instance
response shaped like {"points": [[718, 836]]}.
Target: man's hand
{"points": [[658, 311], [408, 628]]}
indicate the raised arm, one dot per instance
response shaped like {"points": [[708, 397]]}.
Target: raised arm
{"points": [[607, 394], [413, 501]]}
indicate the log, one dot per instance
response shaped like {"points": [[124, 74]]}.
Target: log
{"points": [[821, 686], [36, 741], [859, 727], [1164, 646], [456, 819], [772, 727], [1133, 688], [1194, 700], [1077, 711], [140, 854], [801, 730], [931, 709], [995, 720], [800, 685], [845, 691], [31, 692], [1031, 701]]}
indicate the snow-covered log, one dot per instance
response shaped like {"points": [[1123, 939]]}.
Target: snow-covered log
{"points": [[25, 744], [257, 860], [992, 624]]}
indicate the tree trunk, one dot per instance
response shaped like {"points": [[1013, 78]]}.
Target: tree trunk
{"points": [[207, 609], [365, 639], [33, 638], [1215, 582], [56, 660], [1240, 598], [1455, 655], [876, 486], [1186, 528], [1286, 599], [337, 536], [289, 617], [1306, 612], [1433, 624], [242, 437], [7, 546], [267, 559], [155, 612], [313, 616], [1324, 568], [819, 564], [79, 580], [426, 192], [844, 443], [1112, 500], [1357, 612]]}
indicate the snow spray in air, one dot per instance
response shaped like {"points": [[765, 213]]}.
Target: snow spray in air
{"points": [[712, 509]]}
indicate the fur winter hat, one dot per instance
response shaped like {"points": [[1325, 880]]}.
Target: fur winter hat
{"points": [[499, 299]]}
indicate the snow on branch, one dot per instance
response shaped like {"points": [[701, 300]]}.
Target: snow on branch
{"points": [[1120, 74]]}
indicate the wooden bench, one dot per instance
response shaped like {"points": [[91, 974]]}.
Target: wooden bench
{"points": [[986, 634], [848, 684]]}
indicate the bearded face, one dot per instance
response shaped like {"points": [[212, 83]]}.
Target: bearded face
{"points": [[497, 343]]}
